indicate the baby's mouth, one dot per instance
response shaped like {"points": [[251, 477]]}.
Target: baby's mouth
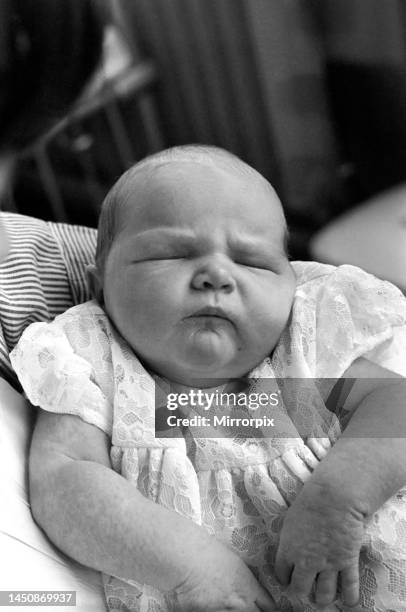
{"points": [[211, 311]]}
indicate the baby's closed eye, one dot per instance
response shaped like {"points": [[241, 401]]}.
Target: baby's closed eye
{"points": [[254, 262], [162, 252]]}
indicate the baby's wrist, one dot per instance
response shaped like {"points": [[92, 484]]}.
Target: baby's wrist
{"points": [[362, 473], [360, 498], [334, 483], [192, 566], [340, 491]]}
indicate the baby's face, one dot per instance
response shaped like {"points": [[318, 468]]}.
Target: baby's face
{"points": [[197, 280]]}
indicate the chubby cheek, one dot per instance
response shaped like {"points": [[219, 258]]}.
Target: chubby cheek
{"points": [[155, 293], [269, 312], [141, 306]]}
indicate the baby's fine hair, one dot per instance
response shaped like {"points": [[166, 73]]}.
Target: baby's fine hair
{"points": [[202, 154]]}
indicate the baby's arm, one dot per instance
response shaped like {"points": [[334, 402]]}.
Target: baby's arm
{"points": [[323, 529], [97, 517]]}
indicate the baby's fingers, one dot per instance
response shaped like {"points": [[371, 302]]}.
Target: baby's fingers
{"points": [[300, 579], [301, 582], [326, 587], [350, 585]]}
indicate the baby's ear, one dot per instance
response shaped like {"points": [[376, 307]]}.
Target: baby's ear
{"points": [[95, 282]]}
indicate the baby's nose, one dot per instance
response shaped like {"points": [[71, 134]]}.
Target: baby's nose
{"points": [[215, 277]]}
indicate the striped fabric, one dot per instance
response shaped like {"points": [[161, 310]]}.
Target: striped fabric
{"points": [[43, 275]]}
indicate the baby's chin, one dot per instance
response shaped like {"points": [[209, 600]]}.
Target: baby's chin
{"points": [[209, 352]]}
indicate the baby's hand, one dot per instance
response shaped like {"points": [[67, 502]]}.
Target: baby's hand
{"points": [[220, 581], [320, 539]]}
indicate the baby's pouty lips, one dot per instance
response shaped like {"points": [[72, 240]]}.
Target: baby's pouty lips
{"points": [[214, 312]]}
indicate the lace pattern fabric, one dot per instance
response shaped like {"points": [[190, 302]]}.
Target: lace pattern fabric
{"points": [[237, 489]]}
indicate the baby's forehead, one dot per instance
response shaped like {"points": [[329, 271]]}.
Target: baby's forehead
{"points": [[166, 176], [155, 197], [163, 178]]}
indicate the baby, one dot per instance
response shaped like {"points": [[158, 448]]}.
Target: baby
{"points": [[193, 288]]}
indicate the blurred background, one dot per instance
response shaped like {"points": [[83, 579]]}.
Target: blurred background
{"points": [[312, 93]]}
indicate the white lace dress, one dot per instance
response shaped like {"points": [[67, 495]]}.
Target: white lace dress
{"points": [[237, 489]]}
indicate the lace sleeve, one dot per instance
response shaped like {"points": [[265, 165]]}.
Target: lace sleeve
{"points": [[55, 369], [357, 315]]}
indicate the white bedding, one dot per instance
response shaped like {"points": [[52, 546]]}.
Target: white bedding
{"points": [[28, 561]]}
